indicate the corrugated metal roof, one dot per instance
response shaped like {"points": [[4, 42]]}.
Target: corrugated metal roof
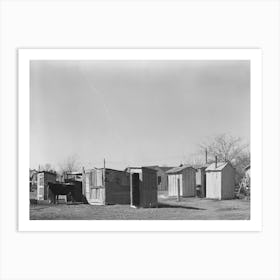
{"points": [[163, 168], [220, 166], [178, 169], [198, 166]]}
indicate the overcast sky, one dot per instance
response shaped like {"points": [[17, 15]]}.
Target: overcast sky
{"points": [[134, 112]]}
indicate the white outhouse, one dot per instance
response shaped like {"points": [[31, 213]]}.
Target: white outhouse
{"points": [[220, 180], [182, 178]]}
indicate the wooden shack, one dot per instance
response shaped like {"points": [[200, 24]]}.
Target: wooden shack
{"points": [[182, 178], [103, 186], [143, 187], [220, 180], [43, 178], [162, 177]]}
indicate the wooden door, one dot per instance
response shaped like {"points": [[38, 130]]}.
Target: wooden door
{"points": [[40, 186], [95, 191]]}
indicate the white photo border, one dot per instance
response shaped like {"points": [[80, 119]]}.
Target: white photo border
{"points": [[24, 58]]}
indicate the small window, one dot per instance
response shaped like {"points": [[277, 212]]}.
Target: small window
{"points": [[159, 180]]}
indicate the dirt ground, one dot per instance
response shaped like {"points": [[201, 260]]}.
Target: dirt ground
{"points": [[168, 209]]}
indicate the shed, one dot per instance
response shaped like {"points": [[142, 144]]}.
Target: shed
{"points": [[220, 180], [106, 186], [43, 178], [162, 177], [183, 178], [143, 186]]}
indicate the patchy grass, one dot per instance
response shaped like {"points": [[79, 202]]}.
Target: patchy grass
{"points": [[168, 209]]}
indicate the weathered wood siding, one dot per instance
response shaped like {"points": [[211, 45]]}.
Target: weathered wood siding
{"points": [[148, 188], [213, 185], [117, 187], [220, 184], [94, 189], [189, 182], [228, 182], [163, 185], [43, 178], [173, 180], [186, 179]]}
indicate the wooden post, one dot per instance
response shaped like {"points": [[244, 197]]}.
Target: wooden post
{"points": [[104, 188], [104, 168], [178, 190], [131, 188], [83, 181]]}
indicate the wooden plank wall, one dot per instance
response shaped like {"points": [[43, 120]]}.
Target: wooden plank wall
{"points": [[42, 184], [117, 187], [228, 182], [189, 185], [163, 186], [173, 184], [148, 188], [213, 185], [94, 190]]}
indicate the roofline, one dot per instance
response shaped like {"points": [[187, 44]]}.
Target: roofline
{"points": [[169, 172], [215, 170], [101, 168], [50, 172]]}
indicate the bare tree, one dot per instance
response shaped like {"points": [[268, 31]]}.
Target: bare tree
{"points": [[46, 167], [228, 148], [70, 164], [225, 147]]}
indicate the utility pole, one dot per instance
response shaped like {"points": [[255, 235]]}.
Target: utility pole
{"points": [[104, 173], [206, 156]]}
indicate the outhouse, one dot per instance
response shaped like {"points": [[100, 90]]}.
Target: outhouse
{"points": [[220, 180], [162, 177], [103, 186], [182, 178], [43, 178], [143, 186]]}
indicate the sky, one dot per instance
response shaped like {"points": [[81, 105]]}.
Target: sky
{"points": [[134, 113]]}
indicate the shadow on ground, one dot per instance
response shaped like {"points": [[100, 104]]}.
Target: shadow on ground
{"points": [[163, 205]]}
